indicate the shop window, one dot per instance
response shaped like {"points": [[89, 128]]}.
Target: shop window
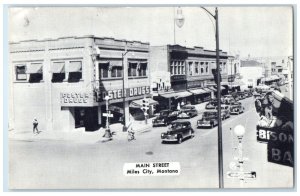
{"points": [[191, 68], [171, 69], [202, 70], [104, 69], [58, 77], [116, 72], [132, 68], [35, 77], [75, 71], [206, 69], [21, 72]]}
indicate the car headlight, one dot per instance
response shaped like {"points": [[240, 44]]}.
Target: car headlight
{"points": [[162, 135], [175, 135], [163, 120]]}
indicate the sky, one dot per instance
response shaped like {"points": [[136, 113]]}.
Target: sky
{"points": [[254, 31]]}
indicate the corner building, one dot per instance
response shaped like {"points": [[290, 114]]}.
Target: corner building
{"points": [[62, 82]]}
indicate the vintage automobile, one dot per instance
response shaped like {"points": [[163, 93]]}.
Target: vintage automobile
{"points": [[187, 111], [229, 98], [225, 111], [178, 131], [211, 105], [241, 95], [165, 117], [236, 109], [209, 119]]}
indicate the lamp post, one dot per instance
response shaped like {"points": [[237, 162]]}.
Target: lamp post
{"points": [[220, 145], [124, 92], [239, 131], [107, 130]]}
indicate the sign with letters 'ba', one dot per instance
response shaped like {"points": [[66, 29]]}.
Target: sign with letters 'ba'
{"points": [[280, 144]]}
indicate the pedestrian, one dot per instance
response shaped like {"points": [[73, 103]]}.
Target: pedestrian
{"points": [[35, 125], [131, 132]]}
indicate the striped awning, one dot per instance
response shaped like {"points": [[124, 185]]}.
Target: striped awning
{"points": [[207, 90], [58, 67], [34, 68]]}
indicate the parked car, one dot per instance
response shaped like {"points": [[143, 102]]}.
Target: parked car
{"points": [[236, 109], [211, 104], [187, 111], [225, 111], [209, 119], [256, 94], [241, 95], [178, 131], [165, 117]]}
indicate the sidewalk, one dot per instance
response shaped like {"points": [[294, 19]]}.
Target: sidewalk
{"points": [[79, 135]]}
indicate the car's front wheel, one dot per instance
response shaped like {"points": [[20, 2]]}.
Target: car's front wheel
{"points": [[179, 140]]}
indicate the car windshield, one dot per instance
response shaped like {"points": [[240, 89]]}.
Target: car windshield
{"points": [[209, 114], [176, 126], [235, 107]]}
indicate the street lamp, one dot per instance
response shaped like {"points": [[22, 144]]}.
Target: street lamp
{"points": [[107, 130], [239, 131], [220, 145], [124, 93]]}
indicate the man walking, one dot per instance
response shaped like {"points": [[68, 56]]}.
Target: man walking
{"points": [[35, 125]]}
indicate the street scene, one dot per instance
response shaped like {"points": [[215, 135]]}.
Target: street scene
{"points": [[104, 111]]}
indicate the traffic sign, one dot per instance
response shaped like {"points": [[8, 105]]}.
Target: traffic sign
{"points": [[108, 115], [242, 175]]}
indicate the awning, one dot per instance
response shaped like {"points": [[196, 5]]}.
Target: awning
{"points": [[75, 66], [116, 63], [197, 91], [207, 90], [212, 89], [58, 67], [34, 68], [222, 88], [139, 103], [177, 95]]}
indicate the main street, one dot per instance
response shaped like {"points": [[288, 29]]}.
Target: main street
{"points": [[99, 165]]}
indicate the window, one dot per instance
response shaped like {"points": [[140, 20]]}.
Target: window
{"points": [[143, 69], [171, 68], [206, 69], [132, 69], [116, 72], [191, 68], [35, 71], [58, 71], [21, 72], [104, 70], [196, 68], [75, 71]]}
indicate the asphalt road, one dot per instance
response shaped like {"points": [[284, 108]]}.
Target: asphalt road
{"points": [[70, 165]]}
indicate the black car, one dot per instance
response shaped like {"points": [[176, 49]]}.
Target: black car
{"points": [[211, 104], [165, 117], [209, 119], [178, 131]]}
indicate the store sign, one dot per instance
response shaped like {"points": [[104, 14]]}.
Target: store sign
{"points": [[76, 99], [129, 92], [193, 84], [280, 145], [178, 77]]}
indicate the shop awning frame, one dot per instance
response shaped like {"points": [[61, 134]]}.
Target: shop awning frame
{"points": [[34, 68], [139, 103], [177, 95]]}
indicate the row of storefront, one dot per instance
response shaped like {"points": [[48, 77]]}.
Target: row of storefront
{"points": [[69, 82]]}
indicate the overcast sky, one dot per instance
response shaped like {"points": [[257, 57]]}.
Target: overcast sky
{"points": [[258, 31]]}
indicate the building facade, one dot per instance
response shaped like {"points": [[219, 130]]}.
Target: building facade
{"points": [[251, 72], [187, 74], [62, 82]]}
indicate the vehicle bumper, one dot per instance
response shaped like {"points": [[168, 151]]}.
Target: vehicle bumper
{"points": [[158, 123], [203, 125], [168, 138]]}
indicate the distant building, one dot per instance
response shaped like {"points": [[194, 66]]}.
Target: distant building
{"points": [[234, 75], [251, 72]]}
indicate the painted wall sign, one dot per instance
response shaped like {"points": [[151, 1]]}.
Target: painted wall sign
{"points": [[178, 77], [76, 99]]}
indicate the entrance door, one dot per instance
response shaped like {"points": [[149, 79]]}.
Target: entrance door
{"points": [[86, 117]]}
